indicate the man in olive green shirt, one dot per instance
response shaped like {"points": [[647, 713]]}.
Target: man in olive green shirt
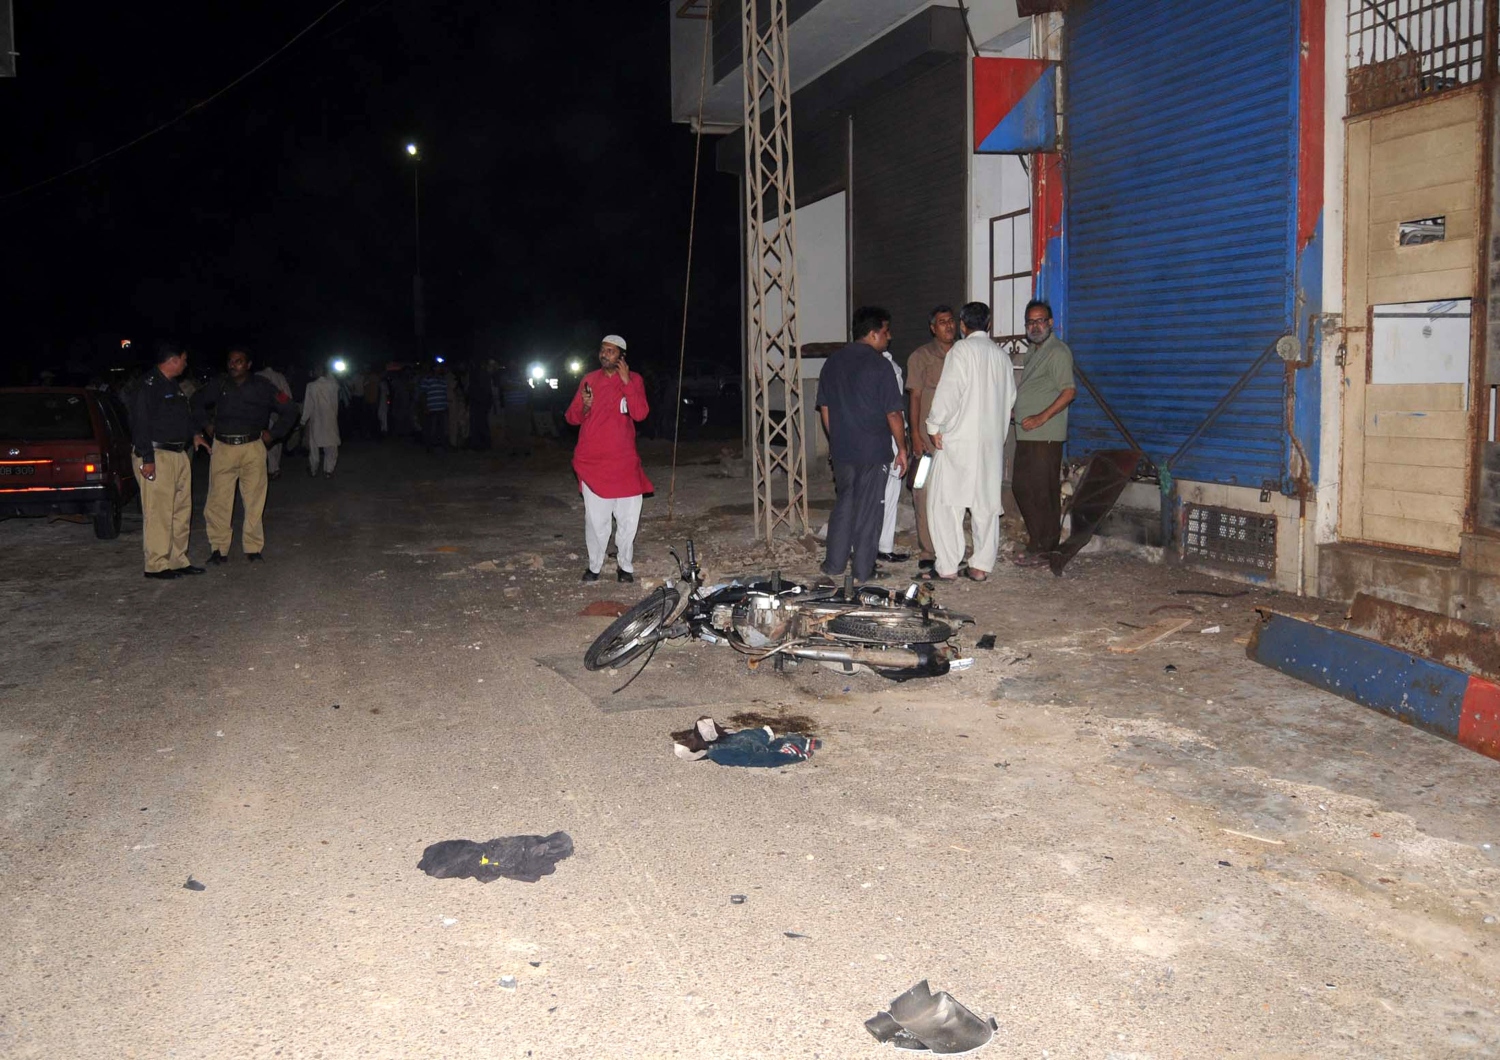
{"points": [[1041, 419]]}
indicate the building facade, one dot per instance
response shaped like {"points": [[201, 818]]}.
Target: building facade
{"points": [[1262, 227]]}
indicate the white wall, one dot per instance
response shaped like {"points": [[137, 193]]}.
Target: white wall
{"points": [[998, 184], [822, 298], [823, 270]]}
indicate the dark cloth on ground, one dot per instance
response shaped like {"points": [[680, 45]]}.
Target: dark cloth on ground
{"points": [[1037, 484], [757, 747], [858, 508], [859, 390], [742, 747], [518, 857]]}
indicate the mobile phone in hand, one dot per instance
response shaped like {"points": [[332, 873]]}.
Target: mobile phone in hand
{"points": [[588, 391], [924, 468]]}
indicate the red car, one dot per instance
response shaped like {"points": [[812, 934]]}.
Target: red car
{"points": [[65, 450]]}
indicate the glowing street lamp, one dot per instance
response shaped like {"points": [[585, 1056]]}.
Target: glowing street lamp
{"points": [[419, 325], [340, 366], [538, 372], [575, 366]]}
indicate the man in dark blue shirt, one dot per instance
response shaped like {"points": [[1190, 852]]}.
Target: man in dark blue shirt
{"points": [[244, 407], [861, 408], [163, 432]]}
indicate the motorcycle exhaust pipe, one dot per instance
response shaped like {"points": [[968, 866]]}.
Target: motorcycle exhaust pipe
{"points": [[896, 657]]}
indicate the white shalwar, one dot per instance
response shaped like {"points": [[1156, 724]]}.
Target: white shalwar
{"points": [[971, 410], [893, 483], [320, 415], [598, 512]]}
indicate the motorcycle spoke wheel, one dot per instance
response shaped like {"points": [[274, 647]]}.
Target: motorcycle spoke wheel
{"points": [[630, 634], [891, 629]]}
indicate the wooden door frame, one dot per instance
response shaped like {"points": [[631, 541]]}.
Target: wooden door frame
{"points": [[1357, 338]]}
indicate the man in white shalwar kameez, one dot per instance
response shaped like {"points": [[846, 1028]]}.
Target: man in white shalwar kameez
{"points": [[320, 416], [968, 420]]}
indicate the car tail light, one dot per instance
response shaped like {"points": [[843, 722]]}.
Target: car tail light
{"points": [[91, 472]]}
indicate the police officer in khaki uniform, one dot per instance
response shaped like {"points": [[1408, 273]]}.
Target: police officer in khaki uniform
{"points": [[243, 406], [163, 433]]}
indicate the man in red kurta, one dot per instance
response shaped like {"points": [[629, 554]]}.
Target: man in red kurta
{"points": [[608, 405]]}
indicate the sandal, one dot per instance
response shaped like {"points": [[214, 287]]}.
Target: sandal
{"points": [[976, 575], [1031, 559], [934, 576]]}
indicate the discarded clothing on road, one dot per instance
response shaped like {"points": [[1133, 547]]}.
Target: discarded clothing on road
{"points": [[742, 747], [920, 1019], [518, 857]]}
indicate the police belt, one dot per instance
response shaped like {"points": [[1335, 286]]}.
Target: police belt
{"points": [[238, 439], [171, 447]]}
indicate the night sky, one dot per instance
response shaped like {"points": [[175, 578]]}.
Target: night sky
{"points": [[554, 188]]}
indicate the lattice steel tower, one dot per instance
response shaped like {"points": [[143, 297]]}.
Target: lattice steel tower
{"points": [[774, 371]]}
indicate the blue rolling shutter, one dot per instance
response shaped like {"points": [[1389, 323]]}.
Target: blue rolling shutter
{"points": [[1181, 136]]}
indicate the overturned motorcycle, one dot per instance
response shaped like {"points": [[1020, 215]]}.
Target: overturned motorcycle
{"points": [[897, 635]]}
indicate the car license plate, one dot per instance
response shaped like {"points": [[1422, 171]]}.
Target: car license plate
{"points": [[17, 469]]}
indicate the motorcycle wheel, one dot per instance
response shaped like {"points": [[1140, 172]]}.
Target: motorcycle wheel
{"points": [[893, 629], [623, 640]]}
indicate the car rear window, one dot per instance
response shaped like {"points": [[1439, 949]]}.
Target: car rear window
{"points": [[44, 417]]}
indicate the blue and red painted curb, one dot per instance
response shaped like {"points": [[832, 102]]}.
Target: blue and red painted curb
{"points": [[1430, 695]]}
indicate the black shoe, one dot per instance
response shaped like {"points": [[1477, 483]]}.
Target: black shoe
{"points": [[624, 576], [893, 557], [216, 557], [254, 557], [926, 564], [163, 575], [589, 575], [190, 569]]}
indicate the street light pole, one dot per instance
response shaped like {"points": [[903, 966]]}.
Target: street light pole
{"points": [[418, 321]]}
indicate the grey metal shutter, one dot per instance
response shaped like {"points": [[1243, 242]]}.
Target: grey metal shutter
{"points": [[1181, 206], [909, 239]]}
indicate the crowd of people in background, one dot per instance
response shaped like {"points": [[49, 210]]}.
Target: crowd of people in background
{"points": [[482, 405], [247, 420], [958, 425]]}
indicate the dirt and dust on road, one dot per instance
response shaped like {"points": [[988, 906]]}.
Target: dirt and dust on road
{"points": [[1171, 853]]}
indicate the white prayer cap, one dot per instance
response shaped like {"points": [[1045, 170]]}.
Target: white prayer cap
{"points": [[614, 340]]}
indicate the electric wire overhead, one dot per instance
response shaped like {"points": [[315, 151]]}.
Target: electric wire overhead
{"points": [[202, 103], [687, 283]]}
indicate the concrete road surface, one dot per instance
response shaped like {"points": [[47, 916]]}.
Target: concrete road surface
{"points": [[1113, 860]]}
